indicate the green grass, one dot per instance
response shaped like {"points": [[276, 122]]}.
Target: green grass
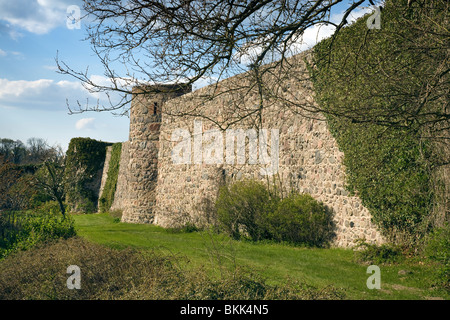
{"points": [[275, 262]]}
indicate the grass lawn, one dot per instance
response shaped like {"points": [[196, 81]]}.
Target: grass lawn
{"points": [[275, 262]]}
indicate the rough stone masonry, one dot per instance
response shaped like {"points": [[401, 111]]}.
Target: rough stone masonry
{"points": [[153, 188]]}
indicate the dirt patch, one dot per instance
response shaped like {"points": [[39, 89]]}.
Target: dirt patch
{"points": [[404, 288], [434, 298]]}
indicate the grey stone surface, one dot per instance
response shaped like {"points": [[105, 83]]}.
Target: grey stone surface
{"points": [[153, 189]]}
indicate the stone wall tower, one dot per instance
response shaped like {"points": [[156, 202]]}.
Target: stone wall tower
{"points": [[145, 122]]}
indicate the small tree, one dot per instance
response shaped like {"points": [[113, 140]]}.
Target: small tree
{"points": [[50, 177], [9, 174]]}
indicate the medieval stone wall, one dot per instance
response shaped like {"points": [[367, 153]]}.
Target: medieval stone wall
{"points": [[121, 196], [174, 166], [104, 173], [145, 118]]}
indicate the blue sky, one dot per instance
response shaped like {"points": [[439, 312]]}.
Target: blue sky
{"points": [[32, 94]]}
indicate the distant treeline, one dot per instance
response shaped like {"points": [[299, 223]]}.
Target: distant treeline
{"points": [[31, 152]]}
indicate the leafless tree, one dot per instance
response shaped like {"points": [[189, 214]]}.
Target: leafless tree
{"points": [[50, 178], [37, 147], [184, 41], [141, 42]]}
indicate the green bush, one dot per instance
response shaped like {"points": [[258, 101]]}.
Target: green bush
{"points": [[48, 226], [377, 254], [246, 209], [187, 228], [437, 248], [51, 207], [86, 205], [242, 209], [27, 229], [299, 218], [39, 199]]}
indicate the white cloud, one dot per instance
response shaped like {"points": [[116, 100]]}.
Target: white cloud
{"points": [[312, 36], [305, 41], [12, 54], [6, 28], [38, 17], [102, 81], [318, 32], [70, 85], [19, 88], [203, 82], [124, 82], [85, 123], [17, 55], [353, 16], [50, 67], [46, 94]]}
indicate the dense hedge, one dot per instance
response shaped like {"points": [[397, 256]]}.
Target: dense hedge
{"points": [[387, 163], [84, 165], [107, 197]]}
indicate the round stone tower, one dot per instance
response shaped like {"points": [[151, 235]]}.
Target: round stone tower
{"points": [[145, 122]]}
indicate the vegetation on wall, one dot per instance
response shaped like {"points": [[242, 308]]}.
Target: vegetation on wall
{"points": [[107, 196], [378, 108], [84, 165]]}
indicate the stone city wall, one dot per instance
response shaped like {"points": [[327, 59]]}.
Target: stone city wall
{"points": [[121, 195], [176, 166]]}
